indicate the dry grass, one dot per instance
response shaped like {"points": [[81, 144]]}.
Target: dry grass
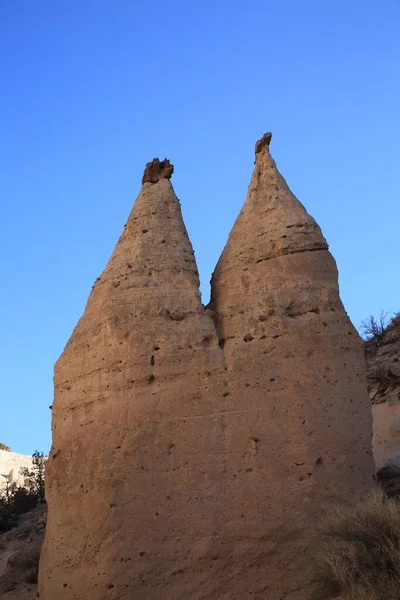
{"points": [[360, 549]]}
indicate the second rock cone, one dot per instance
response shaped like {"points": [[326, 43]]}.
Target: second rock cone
{"points": [[133, 482], [298, 422]]}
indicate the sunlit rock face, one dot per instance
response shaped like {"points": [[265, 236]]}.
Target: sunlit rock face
{"points": [[194, 450], [136, 472], [298, 426]]}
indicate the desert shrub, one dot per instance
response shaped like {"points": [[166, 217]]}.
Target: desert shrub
{"points": [[20, 501], [8, 519], [34, 478], [16, 500], [4, 447], [7, 514], [8, 486], [374, 329], [24, 500], [360, 550]]}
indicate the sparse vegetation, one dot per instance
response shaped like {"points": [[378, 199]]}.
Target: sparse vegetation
{"points": [[34, 478], [5, 447], [374, 329], [360, 547], [16, 499]]}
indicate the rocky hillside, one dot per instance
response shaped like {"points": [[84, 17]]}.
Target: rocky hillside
{"points": [[19, 556], [12, 461], [383, 362], [21, 528], [383, 372]]}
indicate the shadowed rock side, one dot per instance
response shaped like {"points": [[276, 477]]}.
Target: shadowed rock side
{"points": [[383, 372], [298, 423], [134, 476], [156, 170]]}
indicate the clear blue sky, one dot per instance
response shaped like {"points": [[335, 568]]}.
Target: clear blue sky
{"points": [[93, 89]]}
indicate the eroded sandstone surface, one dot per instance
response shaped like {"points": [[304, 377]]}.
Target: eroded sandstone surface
{"points": [[299, 427], [193, 450], [135, 474]]}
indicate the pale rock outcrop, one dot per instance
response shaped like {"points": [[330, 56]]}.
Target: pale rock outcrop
{"points": [[298, 425], [12, 463], [386, 428], [135, 474]]}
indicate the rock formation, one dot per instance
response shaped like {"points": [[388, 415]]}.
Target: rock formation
{"points": [[193, 449], [298, 430], [156, 170], [383, 372], [134, 480], [12, 462]]}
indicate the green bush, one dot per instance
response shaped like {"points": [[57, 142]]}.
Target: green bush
{"points": [[4, 447], [360, 549]]}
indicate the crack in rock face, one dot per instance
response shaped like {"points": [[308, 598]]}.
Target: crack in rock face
{"points": [[156, 170]]}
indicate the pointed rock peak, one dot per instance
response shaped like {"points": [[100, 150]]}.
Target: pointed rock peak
{"points": [[156, 170], [272, 221], [154, 241], [264, 142]]}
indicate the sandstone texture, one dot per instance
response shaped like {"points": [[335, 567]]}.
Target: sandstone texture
{"points": [[383, 372], [298, 427], [156, 170], [194, 449], [134, 480], [19, 556]]}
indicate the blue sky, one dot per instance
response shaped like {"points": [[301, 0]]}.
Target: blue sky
{"points": [[93, 89]]}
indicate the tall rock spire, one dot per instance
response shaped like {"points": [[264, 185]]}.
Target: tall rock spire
{"points": [[133, 481], [298, 424], [193, 450]]}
